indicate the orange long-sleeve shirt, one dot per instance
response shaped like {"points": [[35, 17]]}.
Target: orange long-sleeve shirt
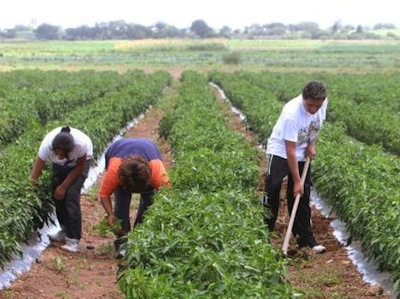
{"points": [[132, 146], [111, 180]]}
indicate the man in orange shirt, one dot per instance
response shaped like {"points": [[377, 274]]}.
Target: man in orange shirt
{"points": [[133, 165]]}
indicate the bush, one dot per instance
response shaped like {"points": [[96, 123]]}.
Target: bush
{"points": [[232, 58]]}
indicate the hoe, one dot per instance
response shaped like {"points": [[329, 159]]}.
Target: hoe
{"points": [[294, 210]]}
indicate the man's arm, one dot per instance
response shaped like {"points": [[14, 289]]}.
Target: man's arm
{"points": [[294, 166], [73, 174], [109, 183], [311, 150], [107, 205], [37, 169]]}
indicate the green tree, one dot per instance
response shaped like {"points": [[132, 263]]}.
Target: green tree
{"points": [[277, 29], [47, 32], [8, 33], [201, 28], [384, 26], [225, 31], [163, 30], [136, 31]]}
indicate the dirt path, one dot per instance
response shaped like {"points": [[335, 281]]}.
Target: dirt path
{"points": [[91, 274]]}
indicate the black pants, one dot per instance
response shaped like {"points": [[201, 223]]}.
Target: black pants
{"points": [[68, 210], [121, 210], [278, 169]]}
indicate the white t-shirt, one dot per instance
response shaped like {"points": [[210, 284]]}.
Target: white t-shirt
{"points": [[83, 145], [295, 124]]}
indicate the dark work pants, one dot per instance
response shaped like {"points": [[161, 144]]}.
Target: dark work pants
{"points": [[278, 169], [121, 210], [68, 210]]}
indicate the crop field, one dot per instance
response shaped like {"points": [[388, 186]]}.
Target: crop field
{"points": [[279, 55], [206, 246]]}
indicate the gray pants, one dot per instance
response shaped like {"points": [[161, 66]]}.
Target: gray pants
{"points": [[68, 210]]}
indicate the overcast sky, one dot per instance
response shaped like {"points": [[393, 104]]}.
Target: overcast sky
{"points": [[181, 13]]}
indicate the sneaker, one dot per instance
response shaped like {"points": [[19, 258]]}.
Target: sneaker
{"points": [[318, 249], [71, 245], [121, 254], [58, 236]]}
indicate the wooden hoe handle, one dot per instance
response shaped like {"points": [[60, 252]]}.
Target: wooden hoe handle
{"points": [[294, 210]]}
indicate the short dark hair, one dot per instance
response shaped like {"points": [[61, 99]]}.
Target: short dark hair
{"points": [[63, 141], [135, 174], [315, 90]]}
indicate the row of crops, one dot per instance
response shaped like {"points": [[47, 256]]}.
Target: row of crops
{"points": [[100, 105], [204, 237], [31, 96], [367, 104], [357, 170]]}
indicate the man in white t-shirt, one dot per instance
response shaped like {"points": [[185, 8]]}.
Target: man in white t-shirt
{"points": [[291, 141], [70, 151]]}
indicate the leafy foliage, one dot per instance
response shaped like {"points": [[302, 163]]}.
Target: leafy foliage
{"points": [[24, 207], [204, 238]]}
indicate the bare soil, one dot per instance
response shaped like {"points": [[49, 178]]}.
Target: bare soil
{"points": [[91, 273]]}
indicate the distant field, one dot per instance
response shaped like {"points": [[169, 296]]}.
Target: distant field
{"points": [[385, 32], [278, 55]]}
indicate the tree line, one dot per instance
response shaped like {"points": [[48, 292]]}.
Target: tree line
{"points": [[198, 29]]}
